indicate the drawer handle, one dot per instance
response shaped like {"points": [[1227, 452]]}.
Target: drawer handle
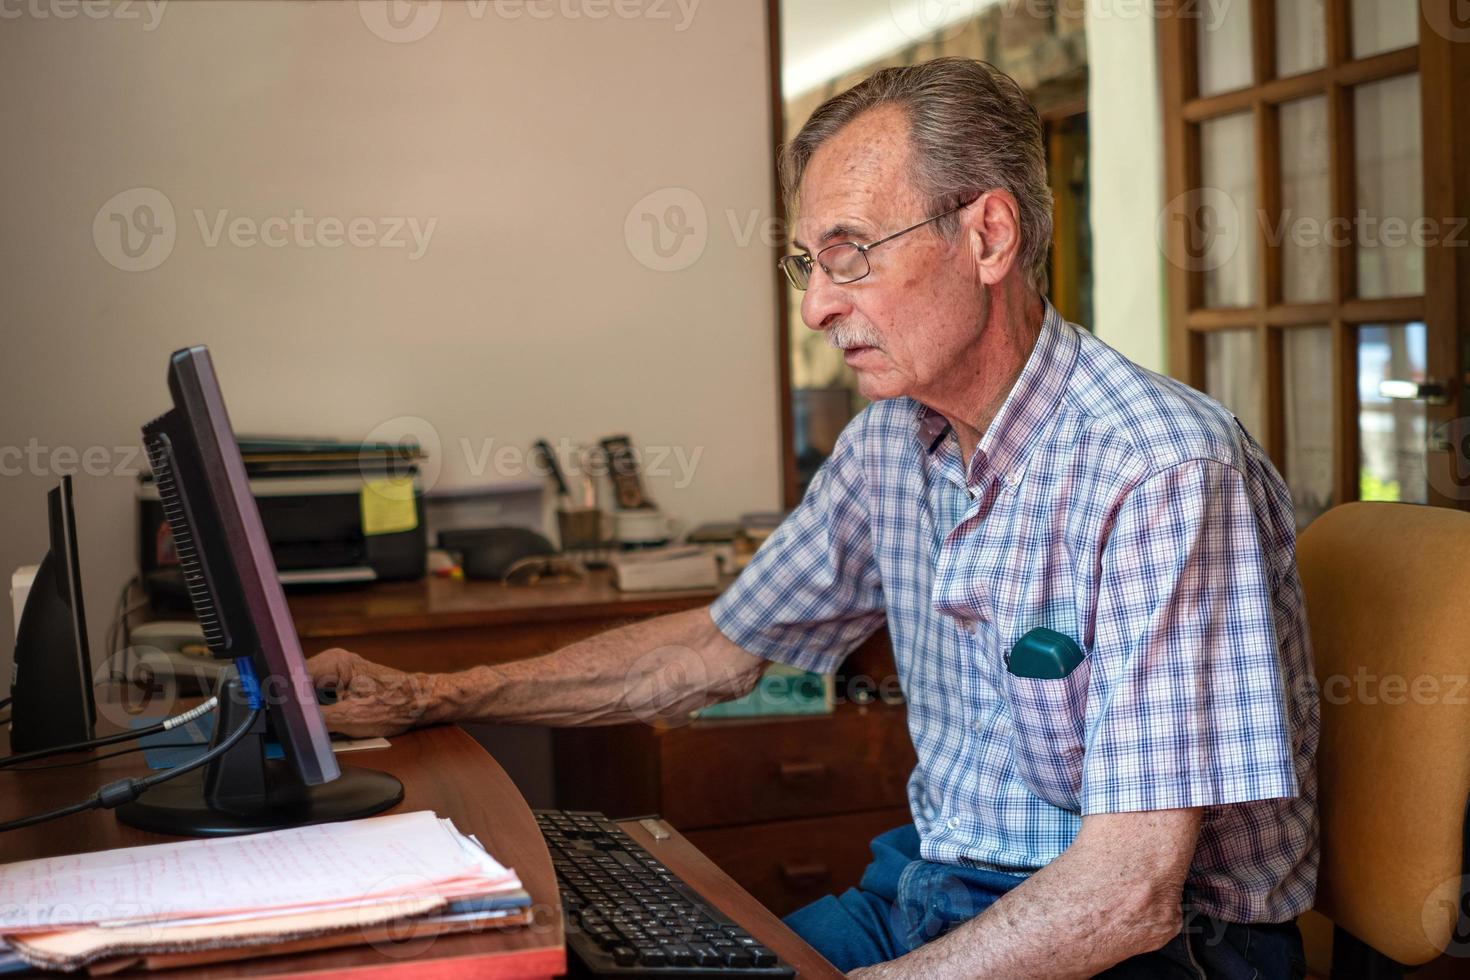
{"points": [[796, 773], [804, 874]]}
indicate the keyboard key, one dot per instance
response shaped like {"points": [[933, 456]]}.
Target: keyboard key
{"points": [[706, 955], [679, 954], [738, 957], [652, 956], [624, 955], [763, 957]]}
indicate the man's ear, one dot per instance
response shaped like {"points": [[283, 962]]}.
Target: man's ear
{"points": [[993, 231]]}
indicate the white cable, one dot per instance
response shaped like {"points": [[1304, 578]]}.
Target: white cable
{"points": [[191, 714]]}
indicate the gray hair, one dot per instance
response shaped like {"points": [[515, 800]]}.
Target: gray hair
{"points": [[971, 129]]}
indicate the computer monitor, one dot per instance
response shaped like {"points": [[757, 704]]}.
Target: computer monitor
{"points": [[51, 682], [237, 596]]}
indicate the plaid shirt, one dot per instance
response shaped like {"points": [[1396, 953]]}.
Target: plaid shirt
{"points": [[1119, 507]]}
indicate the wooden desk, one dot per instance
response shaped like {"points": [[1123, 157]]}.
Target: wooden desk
{"points": [[786, 806], [443, 770], [440, 624]]}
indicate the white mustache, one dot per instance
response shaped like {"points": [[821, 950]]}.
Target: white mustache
{"points": [[847, 336]]}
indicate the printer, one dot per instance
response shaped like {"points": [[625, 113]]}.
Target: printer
{"points": [[318, 510]]}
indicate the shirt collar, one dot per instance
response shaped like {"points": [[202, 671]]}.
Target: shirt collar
{"points": [[1008, 440]]}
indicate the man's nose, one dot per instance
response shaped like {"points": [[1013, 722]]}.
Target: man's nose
{"points": [[823, 304]]}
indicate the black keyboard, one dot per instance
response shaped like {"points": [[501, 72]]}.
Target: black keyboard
{"points": [[628, 915]]}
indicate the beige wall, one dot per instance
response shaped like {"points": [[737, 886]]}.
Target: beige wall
{"points": [[1126, 159], [532, 312]]}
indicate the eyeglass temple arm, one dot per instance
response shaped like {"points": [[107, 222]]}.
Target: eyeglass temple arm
{"points": [[926, 221]]}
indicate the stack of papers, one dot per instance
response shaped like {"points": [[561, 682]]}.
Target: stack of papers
{"points": [[288, 890], [664, 569]]}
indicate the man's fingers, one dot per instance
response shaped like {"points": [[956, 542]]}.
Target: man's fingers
{"points": [[335, 715], [359, 720], [364, 686], [330, 668]]}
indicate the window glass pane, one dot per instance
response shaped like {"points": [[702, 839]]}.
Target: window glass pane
{"points": [[1301, 36], [1224, 48], [1233, 376], [1391, 431], [1227, 231], [1390, 227], [1307, 368], [1384, 25], [1306, 204]]}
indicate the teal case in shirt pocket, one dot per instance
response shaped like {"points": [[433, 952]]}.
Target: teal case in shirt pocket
{"points": [[1046, 684], [1044, 654]]}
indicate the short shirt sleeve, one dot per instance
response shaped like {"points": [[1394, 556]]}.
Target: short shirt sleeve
{"points": [[1193, 702], [812, 592]]}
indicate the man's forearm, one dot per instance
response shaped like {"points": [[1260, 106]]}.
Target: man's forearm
{"points": [[659, 668], [1109, 897]]}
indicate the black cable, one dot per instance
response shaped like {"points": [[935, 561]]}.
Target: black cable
{"points": [[96, 743], [109, 755], [99, 743], [66, 811], [120, 625], [126, 790], [5, 701]]}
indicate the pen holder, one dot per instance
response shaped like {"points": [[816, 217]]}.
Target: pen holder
{"points": [[583, 536]]}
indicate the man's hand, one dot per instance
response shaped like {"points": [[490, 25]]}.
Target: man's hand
{"points": [[371, 699]]}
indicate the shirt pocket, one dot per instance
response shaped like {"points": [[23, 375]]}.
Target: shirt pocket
{"points": [[1047, 719]]}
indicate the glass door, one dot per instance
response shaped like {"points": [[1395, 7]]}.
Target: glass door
{"points": [[1311, 238]]}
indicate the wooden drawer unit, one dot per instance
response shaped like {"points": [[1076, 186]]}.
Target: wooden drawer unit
{"points": [[785, 806], [739, 772], [790, 863], [735, 772]]}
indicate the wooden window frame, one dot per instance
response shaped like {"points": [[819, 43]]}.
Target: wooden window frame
{"points": [[1444, 73]]}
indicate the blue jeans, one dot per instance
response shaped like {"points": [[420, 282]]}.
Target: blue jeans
{"points": [[903, 902]]}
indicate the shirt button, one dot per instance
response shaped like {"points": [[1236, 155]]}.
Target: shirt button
{"points": [[965, 625], [954, 823]]}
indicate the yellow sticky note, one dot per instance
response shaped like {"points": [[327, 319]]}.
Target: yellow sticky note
{"points": [[388, 507]]}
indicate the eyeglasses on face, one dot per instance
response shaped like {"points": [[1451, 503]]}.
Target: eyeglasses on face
{"points": [[845, 262]]}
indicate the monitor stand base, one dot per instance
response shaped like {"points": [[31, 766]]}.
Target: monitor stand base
{"points": [[178, 807], [243, 793]]}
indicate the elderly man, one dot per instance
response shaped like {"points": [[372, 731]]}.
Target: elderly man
{"points": [[1086, 569]]}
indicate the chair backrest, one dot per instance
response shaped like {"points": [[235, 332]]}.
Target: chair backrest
{"points": [[1388, 600]]}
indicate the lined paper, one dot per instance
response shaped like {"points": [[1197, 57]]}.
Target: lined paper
{"points": [[409, 854]]}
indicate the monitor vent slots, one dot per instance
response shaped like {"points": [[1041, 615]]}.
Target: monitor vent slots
{"points": [[176, 511]]}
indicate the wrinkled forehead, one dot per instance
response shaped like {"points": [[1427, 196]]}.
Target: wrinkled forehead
{"points": [[857, 180]]}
